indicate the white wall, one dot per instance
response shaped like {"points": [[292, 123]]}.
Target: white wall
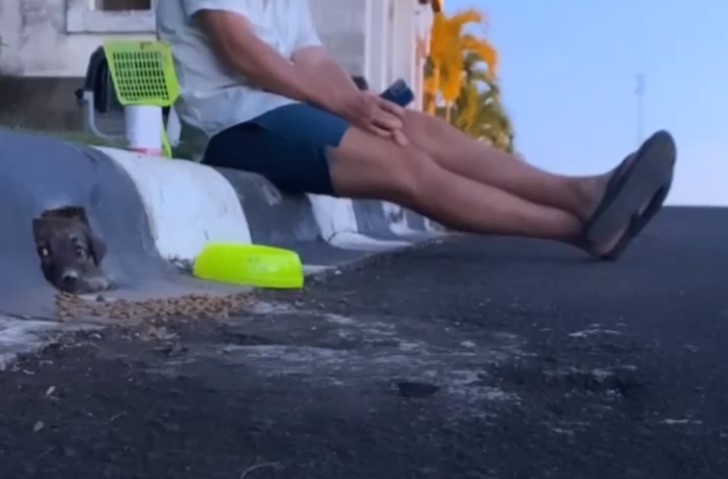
{"points": [[54, 38], [341, 25], [37, 41], [394, 28]]}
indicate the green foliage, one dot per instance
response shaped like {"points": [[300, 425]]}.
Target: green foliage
{"points": [[461, 72], [478, 110]]}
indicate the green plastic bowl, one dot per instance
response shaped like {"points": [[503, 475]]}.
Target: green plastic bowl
{"points": [[250, 265]]}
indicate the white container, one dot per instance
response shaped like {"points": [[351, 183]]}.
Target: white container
{"points": [[144, 129]]}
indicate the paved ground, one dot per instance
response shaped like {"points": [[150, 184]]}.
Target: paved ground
{"points": [[467, 359]]}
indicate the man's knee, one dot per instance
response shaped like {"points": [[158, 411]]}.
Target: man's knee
{"points": [[367, 166], [430, 133], [424, 124], [414, 174]]}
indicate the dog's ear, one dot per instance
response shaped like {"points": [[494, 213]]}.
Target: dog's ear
{"points": [[97, 247], [40, 228]]}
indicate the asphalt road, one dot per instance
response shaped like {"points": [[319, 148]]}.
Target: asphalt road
{"points": [[472, 358]]}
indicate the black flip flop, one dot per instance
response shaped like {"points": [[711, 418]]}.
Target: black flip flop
{"points": [[643, 178], [638, 223]]}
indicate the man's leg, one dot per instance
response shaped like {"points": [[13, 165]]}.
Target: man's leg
{"points": [[367, 166], [455, 151]]}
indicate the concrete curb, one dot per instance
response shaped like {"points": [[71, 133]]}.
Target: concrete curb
{"points": [[186, 204], [155, 212], [385, 220], [41, 172], [229, 205]]}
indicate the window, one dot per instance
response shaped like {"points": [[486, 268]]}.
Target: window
{"points": [[110, 16], [123, 5]]}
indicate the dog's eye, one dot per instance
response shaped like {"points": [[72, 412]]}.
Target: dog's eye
{"points": [[43, 252], [81, 253]]}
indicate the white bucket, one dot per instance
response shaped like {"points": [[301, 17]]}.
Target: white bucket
{"points": [[144, 129]]}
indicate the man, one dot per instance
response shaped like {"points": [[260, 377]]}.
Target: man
{"points": [[259, 85]]}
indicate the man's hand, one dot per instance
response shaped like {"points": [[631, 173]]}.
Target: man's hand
{"points": [[342, 97], [373, 114]]}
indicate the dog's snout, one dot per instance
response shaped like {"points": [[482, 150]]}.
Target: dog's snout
{"points": [[70, 278]]}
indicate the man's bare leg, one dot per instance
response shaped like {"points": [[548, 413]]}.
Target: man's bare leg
{"points": [[366, 166], [455, 151]]}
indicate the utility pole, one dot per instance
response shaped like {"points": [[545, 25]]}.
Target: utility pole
{"points": [[640, 92]]}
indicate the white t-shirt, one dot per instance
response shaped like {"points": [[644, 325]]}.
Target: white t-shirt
{"points": [[212, 97]]}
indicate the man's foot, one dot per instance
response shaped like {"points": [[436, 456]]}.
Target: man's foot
{"points": [[598, 250], [629, 196], [591, 190]]}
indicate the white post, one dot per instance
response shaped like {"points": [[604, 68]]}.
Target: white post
{"points": [[424, 21], [377, 47], [144, 126]]}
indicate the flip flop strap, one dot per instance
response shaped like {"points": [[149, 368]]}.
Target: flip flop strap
{"points": [[613, 187]]}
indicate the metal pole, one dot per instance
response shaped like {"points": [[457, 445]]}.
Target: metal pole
{"points": [[640, 92]]}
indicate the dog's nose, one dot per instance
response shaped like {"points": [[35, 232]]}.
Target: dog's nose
{"points": [[70, 277]]}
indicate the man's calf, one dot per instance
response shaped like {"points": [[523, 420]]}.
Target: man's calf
{"points": [[70, 253]]}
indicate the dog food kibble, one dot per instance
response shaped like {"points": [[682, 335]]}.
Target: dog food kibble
{"points": [[186, 307]]}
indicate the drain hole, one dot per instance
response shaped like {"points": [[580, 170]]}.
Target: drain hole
{"points": [[412, 389], [70, 253]]}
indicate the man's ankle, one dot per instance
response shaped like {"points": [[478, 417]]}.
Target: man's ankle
{"points": [[587, 193]]}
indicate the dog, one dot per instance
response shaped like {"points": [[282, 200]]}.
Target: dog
{"points": [[69, 251]]}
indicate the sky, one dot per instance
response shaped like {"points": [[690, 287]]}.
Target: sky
{"points": [[569, 72]]}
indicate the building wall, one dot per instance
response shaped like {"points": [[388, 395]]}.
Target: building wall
{"points": [[397, 41], [37, 42], [341, 25], [53, 39], [45, 38]]}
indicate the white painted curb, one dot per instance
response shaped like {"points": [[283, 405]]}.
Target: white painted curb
{"points": [[333, 215], [187, 204], [339, 227]]}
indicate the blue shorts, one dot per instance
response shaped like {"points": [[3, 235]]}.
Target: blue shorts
{"points": [[288, 145]]}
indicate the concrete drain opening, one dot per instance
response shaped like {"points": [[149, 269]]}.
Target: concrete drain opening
{"points": [[70, 252], [71, 256]]}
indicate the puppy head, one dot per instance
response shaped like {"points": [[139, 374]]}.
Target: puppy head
{"points": [[70, 254]]}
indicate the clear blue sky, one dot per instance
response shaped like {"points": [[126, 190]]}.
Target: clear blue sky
{"points": [[569, 74]]}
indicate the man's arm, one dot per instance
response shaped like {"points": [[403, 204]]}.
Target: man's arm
{"points": [[313, 61], [238, 46], [316, 61], [312, 77]]}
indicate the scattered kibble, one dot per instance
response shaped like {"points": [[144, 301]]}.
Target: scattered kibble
{"points": [[188, 306]]}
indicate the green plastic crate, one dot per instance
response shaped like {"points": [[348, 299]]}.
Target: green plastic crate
{"points": [[143, 74]]}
